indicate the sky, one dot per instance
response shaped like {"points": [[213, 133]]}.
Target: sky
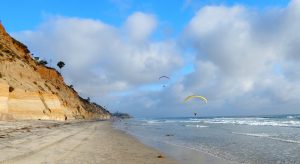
{"points": [[243, 56]]}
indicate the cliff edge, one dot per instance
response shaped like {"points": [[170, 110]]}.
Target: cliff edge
{"points": [[29, 90]]}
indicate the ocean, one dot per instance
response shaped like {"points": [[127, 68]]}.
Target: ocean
{"points": [[260, 139]]}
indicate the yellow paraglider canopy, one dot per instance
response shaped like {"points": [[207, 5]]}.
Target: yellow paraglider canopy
{"points": [[196, 96]]}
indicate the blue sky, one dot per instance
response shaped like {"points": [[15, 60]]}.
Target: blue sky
{"points": [[241, 55], [174, 13]]}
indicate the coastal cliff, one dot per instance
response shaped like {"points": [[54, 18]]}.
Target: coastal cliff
{"points": [[30, 90]]}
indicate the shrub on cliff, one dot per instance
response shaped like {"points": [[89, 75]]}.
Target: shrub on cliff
{"points": [[43, 62], [36, 58]]}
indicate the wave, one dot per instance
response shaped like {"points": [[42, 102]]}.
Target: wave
{"points": [[255, 122], [286, 121], [264, 135], [197, 126], [293, 117], [160, 121], [253, 134], [153, 122], [191, 121]]}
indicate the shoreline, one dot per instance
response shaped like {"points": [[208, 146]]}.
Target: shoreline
{"points": [[73, 142], [181, 153]]}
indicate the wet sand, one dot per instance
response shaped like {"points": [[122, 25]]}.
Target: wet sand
{"points": [[188, 155], [72, 142]]}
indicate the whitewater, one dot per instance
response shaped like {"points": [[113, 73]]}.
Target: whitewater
{"points": [[253, 139]]}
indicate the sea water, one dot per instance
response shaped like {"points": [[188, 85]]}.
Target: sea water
{"points": [[263, 139]]}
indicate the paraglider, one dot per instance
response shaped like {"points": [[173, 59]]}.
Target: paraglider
{"points": [[196, 96], [164, 77], [161, 77]]}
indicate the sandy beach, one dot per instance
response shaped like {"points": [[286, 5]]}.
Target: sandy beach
{"points": [[72, 142]]}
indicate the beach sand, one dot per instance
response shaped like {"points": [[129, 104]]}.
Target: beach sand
{"points": [[72, 142]]}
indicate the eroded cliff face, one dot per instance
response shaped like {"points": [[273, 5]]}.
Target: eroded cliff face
{"points": [[29, 90]]}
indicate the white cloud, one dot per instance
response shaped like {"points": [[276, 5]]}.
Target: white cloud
{"points": [[140, 25], [243, 47]]}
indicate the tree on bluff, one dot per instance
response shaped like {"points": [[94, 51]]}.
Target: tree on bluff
{"points": [[60, 65]]}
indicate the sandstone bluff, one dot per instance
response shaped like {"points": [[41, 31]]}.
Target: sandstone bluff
{"points": [[29, 90]]}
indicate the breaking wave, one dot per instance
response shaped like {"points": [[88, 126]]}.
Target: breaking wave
{"points": [[286, 121], [255, 122]]}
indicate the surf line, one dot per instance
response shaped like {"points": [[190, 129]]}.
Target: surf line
{"points": [[267, 136]]}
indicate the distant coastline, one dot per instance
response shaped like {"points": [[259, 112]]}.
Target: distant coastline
{"points": [[121, 115]]}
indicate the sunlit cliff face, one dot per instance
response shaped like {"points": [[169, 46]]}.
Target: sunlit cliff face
{"points": [[29, 90]]}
